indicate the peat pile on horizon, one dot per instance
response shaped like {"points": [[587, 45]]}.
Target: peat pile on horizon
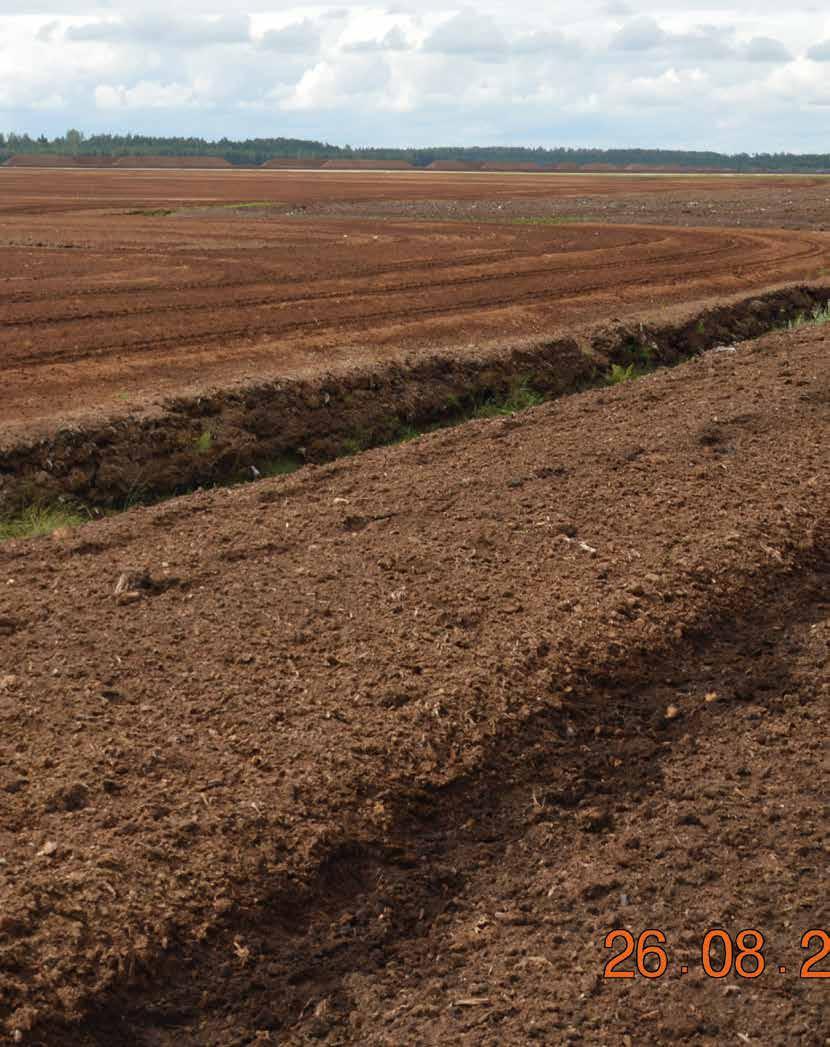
{"points": [[251, 708]]}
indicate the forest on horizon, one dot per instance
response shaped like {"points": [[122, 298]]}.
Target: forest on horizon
{"points": [[256, 151]]}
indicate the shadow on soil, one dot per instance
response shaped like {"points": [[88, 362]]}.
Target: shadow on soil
{"points": [[267, 971]]}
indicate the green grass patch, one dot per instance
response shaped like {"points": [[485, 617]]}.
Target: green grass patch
{"points": [[284, 465], [820, 315], [641, 355], [39, 520], [243, 205], [619, 374], [520, 396], [356, 443], [406, 432], [556, 219], [159, 212], [204, 443]]}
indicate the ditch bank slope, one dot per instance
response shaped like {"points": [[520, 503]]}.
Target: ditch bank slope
{"points": [[229, 435], [299, 679]]}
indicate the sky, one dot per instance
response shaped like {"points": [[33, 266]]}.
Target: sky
{"points": [[672, 74]]}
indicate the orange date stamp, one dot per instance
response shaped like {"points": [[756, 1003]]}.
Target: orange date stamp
{"points": [[721, 954]]}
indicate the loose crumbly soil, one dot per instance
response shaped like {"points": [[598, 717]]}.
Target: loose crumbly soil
{"points": [[121, 289], [378, 753]]}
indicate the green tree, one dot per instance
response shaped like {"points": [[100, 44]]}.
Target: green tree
{"points": [[74, 141]]}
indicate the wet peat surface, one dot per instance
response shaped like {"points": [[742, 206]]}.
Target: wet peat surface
{"points": [[379, 753]]}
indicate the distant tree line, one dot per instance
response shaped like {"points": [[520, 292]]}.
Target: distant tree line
{"points": [[255, 151]]}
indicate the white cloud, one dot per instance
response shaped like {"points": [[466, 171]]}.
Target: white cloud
{"points": [[393, 40], [698, 43], [145, 95], [601, 73], [546, 42], [330, 85], [616, 7], [820, 52], [297, 38], [164, 30], [703, 43], [467, 33], [47, 31], [765, 49], [640, 34], [672, 88], [801, 83]]}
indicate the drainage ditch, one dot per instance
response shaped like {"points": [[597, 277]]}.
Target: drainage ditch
{"points": [[238, 435]]}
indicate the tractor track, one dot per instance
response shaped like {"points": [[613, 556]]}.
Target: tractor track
{"points": [[364, 318]]}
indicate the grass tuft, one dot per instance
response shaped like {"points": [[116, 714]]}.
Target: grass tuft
{"points": [[203, 443], [282, 466], [558, 219], [159, 212], [405, 432], [820, 315], [619, 374], [39, 520], [520, 397]]}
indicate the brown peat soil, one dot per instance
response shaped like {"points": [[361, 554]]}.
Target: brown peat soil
{"points": [[120, 289], [380, 752]]}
